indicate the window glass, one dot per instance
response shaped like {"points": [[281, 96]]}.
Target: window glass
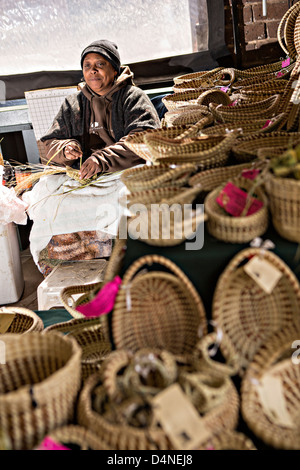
{"points": [[39, 35]]}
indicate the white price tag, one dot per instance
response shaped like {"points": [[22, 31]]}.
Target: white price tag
{"points": [[264, 273]]}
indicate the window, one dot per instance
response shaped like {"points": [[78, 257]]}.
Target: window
{"points": [[39, 35]]}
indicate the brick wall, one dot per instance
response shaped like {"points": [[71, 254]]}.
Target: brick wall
{"points": [[257, 34]]}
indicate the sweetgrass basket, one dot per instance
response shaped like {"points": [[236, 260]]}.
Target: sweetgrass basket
{"points": [[273, 372], [75, 437], [214, 96], [245, 313], [246, 111], [90, 335], [128, 424], [233, 229], [282, 32], [159, 308], [249, 147], [284, 198], [39, 384], [196, 75], [188, 98], [24, 320], [156, 176], [262, 91], [205, 151], [184, 117], [246, 128], [290, 31]]}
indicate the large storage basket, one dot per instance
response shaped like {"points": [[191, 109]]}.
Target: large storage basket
{"points": [[245, 313], [159, 308], [40, 380]]}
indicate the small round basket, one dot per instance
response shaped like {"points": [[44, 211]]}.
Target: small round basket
{"points": [[270, 392], [39, 383], [284, 198], [90, 336], [246, 314], [231, 229], [24, 320], [159, 308]]}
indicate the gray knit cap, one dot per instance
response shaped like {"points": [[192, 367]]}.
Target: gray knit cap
{"points": [[107, 49]]}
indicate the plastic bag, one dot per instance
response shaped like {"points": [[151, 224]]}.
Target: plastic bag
{"points": [[12, 208]]}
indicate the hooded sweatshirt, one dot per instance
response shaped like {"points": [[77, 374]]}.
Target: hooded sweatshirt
{"points": [[100, 124]]}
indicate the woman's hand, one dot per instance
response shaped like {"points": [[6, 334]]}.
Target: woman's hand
{"points": [[72, 151], [89, 168]]}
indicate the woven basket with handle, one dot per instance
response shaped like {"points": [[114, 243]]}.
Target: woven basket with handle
{"points": [[245, 313], [39, 383], [158, 308]]}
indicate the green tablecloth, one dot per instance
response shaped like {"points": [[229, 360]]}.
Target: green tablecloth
{"points": [[51, 317], [203, 267]]}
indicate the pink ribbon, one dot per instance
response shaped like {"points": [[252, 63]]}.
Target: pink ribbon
{"points": [[103, 301]]}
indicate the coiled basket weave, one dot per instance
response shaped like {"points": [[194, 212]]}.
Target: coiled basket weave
{"points": [[245, 313], [39, 382], [157, 308], [24, 320]]}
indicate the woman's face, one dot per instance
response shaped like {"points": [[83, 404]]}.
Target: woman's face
{"points": [[98, 73]]}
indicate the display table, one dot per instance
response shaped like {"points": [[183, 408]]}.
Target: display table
{"points": [[203, 267]]}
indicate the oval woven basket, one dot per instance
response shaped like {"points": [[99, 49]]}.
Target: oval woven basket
{"points": [[187, 99], [214, 96], [284, 198], [196, 75], [245, 313], [233, 229], [248, 147], [39, 383], [24, 320], [240, 112], [273, 372], [156, 176], [159, 309], [205, 151], [90, 335], [246, 128], [75, 437]]}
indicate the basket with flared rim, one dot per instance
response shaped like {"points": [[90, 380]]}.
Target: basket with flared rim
{"points": [[214, 96], [262, 91], [272, 377], [156, 176], [43, 396], [284, 198], [159, 308], [248, 313], [249, 147], [285, 29], [196, 75], [246, 128], [240, 112], [236, 229], [205, 151], [75, 437], [23, 320], [90, 335], [183, 98]]}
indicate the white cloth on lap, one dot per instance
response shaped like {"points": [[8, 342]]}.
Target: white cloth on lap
{"points": [[56, 207]]}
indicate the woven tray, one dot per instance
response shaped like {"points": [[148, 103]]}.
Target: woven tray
{"points": [[39, 383], [90, 335], [258, 110], [157, 309], [232, 229], [245, 313], [284, 197], [274, 358], [205, 151], [24, 321], [248, 147], [156, 176], [75, 437]]}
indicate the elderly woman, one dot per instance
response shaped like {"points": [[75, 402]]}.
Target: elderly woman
{"points": [[92, 125]]}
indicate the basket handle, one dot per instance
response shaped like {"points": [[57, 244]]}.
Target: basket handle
{"points": [[167, 263], [67, 292], [176, 199]]}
